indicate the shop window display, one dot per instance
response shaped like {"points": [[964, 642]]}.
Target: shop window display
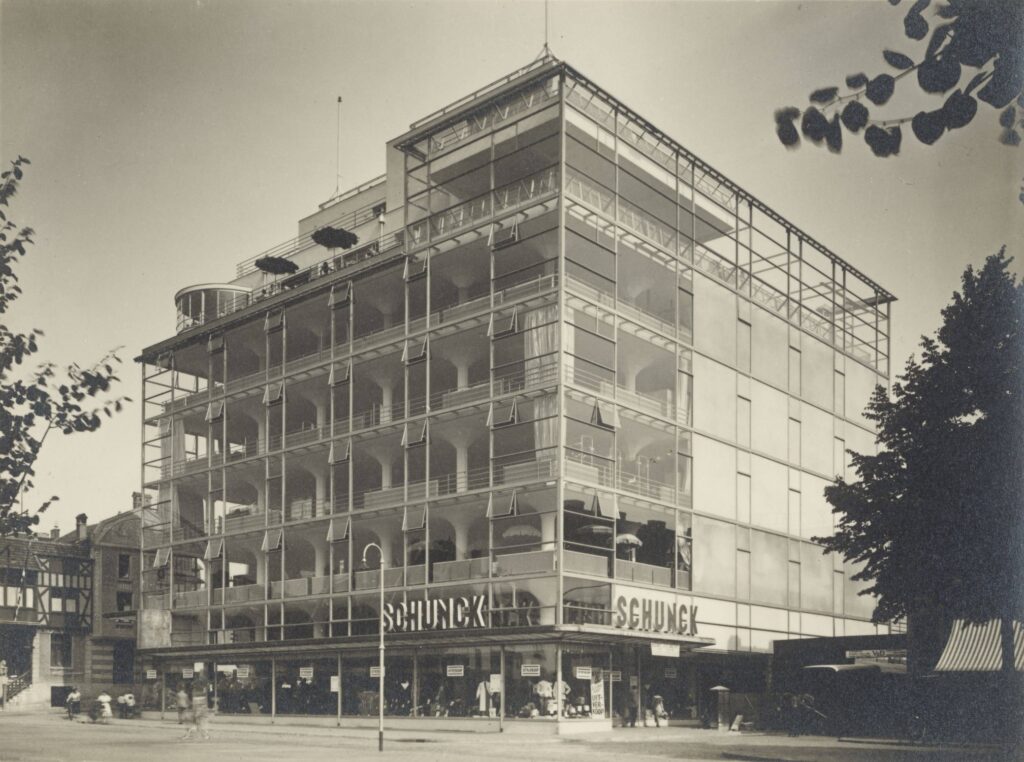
{"points": [[584, 685], [459, 683], [304, 687], [530, 682]]}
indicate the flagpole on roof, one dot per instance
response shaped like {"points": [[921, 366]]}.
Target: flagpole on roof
{"points": [[337, 152]]}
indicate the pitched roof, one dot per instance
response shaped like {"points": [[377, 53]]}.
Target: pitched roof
{"points": [[22, 552]]}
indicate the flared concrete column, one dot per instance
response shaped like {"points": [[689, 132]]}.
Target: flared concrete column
{"points": [[261, 567], [321, 484], [461, 528], [387, 391], [461, 467], [261, 495], [320, 557], [387, 545], [385, 473], [548, 523]]}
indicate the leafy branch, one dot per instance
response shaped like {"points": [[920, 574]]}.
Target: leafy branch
{"points": [[979, 34], [35, 402]]}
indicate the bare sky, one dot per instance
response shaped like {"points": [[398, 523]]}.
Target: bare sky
{"points": [[170, 140]]}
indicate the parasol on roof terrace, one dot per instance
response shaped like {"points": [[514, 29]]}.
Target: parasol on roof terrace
{"points": [[629, 540], [276, 265], [334, 238]]}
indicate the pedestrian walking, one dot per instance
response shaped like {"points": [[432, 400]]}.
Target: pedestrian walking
{"points": [[4, 679], [73, 703], [105, 712], [200, 711], [181, 702]]}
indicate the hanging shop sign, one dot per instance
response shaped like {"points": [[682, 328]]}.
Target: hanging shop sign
{"points": [[306, 673], [188, 673], [243, 673], [639, 611], [461, 613], [584, 673], [670, 673], [375, 671], [670, 650], [151, 674], [494, 683], [529, 670], [335, 683], [455, 670], [615, 676]]}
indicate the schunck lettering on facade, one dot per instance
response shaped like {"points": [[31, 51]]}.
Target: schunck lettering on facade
{"points": [[632, 613], [438, 614]]}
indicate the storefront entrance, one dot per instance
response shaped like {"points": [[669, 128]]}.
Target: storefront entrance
{"points": [[16, 648]]}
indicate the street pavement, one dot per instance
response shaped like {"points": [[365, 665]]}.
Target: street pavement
{"points": [[48, 737]]}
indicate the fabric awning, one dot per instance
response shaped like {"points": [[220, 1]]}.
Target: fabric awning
{"points": [[978, 647]]}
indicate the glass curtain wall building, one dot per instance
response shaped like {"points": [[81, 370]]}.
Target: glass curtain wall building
{"points": [[584, 393]]}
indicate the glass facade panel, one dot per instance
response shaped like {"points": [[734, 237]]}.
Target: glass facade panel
{"points": [[714, 467], [860, 384], [714, 403], [714, 557], [817, 367], [815, 578], [768, 562], [769, 421], [714, 331], [769, 487], [816, 430], [770, 342]]}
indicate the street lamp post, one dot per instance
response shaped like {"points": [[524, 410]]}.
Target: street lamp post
{"points": [[380, 685]]}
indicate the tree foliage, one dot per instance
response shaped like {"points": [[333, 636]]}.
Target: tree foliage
{"points": [[975, 52], [936, 516], [38, 400]]}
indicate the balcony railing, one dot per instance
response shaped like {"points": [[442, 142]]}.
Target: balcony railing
{"points": [[249, 518], [463, 481], [530, 562], [658, 403], [527, 471], [243, 593], [417, 491], [638, 572], [370, 580], [476, 210], [586, 563], [451, 571], [191, 599]]}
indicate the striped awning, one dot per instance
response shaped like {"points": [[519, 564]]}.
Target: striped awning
{"points": [[978, 647]]}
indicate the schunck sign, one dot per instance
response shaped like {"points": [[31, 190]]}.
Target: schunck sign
{"points": [[439, 614], [634, 612]]}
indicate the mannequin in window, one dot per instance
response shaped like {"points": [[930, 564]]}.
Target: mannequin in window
{"points": [[483, 695]]}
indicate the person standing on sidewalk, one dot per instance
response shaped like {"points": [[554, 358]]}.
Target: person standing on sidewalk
{"points": [[631, 708]]}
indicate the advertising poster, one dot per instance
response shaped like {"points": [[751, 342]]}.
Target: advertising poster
{"points": [[597, 699]]}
